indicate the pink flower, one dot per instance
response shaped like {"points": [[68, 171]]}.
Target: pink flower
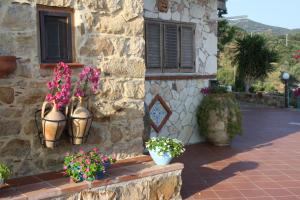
{"points": [[88, 76], [296, 92], [65, 167], [88, 162], [205, 91], [60, 86], [96, 149], [84, 176], [81, 150]]}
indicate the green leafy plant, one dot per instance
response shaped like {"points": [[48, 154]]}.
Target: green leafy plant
{"points": [[4, 172], [254, 59], [218, 103], [165, 145], [88, 165]]}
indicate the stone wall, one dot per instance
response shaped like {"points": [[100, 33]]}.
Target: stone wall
{"points": [[109, 35], [263, 99], [183, 96], [164, 186]]}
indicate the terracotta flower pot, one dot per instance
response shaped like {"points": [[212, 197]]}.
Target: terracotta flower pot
{"points": [[163, 5], [53, 125], [8, 65], [80, 122]]}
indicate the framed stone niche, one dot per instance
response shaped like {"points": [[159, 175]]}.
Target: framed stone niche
{"points": [[159, 113], [162, 5]]}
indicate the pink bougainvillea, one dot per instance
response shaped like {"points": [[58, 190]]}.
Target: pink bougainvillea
{"points": [[297, 56], [205, 91], [60, 86], [296, 92], [88, 79]]}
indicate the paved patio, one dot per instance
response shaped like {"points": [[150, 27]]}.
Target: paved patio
{"points": [[263, 164]]}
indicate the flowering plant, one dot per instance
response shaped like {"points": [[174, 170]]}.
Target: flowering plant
{"points": [[88, 165], [165, 145], [297, 56], [296, 92], [205, 91], [213, 90], [60, 86], [88, 76]]}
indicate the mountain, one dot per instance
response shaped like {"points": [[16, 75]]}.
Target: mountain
{"points": [[256, 27]]}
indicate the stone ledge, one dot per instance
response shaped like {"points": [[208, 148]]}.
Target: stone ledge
{"points": [[54, 184]]}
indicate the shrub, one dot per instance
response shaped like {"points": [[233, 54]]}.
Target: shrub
{"points": [[220, 103]]}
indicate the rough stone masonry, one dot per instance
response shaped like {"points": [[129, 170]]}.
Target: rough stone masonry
{"points": [[108, 34]]}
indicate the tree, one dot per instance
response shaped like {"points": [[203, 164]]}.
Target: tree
{"points": [[226, 34], [253, 59]]}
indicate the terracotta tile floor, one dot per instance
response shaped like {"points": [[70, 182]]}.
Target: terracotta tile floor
{"points": [[263, 164]]}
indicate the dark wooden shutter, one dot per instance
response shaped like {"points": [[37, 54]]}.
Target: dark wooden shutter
{"points": [[187, 59], [171, 46], [56, 37], [153, 45]]}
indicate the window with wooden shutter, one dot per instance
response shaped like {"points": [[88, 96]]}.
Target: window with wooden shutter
{"points": [[187, 58], [153, 45], [171, 41], [55, 36], [169, 46]]}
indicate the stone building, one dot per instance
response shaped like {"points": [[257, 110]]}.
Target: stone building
{"points": [[154, 59]]}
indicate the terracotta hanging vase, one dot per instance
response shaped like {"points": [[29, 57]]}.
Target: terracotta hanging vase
{"points": [[80, 121], [53, 124]]}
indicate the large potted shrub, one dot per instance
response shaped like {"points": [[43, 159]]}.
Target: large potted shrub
{"points": [[163, 149], [4, 173], [219, 116]]}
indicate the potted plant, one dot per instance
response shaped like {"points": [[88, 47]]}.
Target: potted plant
{"points": [[80, 116], [4, 173], [219, 116], [53, 122], [88, 165], [163, 149], [8, 65]]}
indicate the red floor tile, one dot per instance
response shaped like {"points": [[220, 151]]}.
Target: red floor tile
{"points": [[278, 192], [254, 193], [263, 164]]}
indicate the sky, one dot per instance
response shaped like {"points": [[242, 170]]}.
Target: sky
{"points": [[282, 13]]}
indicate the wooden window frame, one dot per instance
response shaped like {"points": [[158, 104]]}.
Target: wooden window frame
{"points": [[162, 68], [59, 12]]}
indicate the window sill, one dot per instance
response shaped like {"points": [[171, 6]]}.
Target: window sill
{"points": [[178, 76], [53, 65]]}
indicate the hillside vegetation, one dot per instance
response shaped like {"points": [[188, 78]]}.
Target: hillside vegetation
{"points": [[286, 62]]}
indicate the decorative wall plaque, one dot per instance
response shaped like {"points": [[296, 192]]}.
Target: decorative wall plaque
{"points": [[159, 113], [162, 5]]}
